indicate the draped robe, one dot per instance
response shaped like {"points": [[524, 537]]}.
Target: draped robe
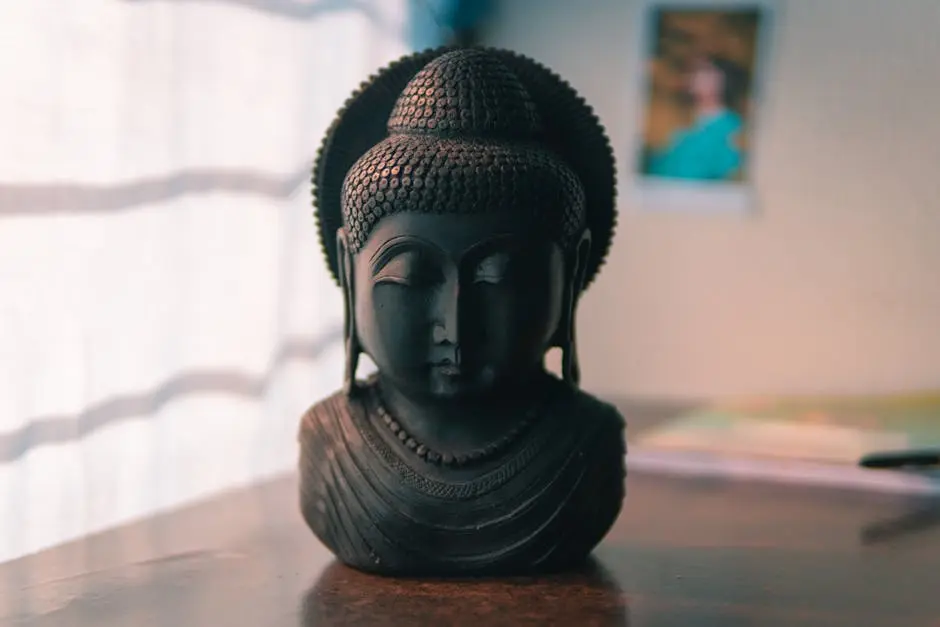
{"points": [[542, 504]]}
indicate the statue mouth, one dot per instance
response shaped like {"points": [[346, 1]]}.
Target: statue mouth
{"points": [[447, 368]]}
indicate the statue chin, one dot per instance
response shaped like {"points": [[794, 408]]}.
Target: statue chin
{"points": [[448, 383]]}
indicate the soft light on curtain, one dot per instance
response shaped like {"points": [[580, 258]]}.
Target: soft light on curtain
{"points": [[165, 315]]}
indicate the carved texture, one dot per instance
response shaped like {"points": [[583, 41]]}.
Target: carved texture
{"points": [[542, 507], [463, 140], [562, 124], [406, 173]]}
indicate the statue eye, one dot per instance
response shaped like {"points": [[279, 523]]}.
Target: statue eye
{"points": [[407, 268], [493, 269]]}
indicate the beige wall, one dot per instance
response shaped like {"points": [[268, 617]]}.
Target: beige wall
{"points": [[832, 286]]}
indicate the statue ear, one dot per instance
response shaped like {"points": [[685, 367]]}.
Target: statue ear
{"points": [[581, 255], [347, 285], [577, 272]]}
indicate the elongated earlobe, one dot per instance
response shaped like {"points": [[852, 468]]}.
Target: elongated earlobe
{"points": [[350, 341], [570, 366], [350, 388]]}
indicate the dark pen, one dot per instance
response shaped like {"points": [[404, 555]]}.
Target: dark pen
{"points": [[901, 459]]}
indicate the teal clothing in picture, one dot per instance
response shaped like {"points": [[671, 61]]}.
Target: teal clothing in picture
{"points": [[706, 150]]}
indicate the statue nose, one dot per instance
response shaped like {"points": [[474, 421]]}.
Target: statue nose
{"points": [[439, 334], [446, 330], [445, 348]]}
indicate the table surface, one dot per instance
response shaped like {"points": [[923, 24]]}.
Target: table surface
{"points": [[684, 552]]}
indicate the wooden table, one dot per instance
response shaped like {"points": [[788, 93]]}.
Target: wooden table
{"points": [[685, 552]]}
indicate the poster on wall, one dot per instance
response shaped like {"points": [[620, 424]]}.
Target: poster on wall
{"points": [[701, 66]]}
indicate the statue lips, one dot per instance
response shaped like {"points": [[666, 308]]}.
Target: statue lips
{"points": [[449, 362], [447, 368], [450, 378]]}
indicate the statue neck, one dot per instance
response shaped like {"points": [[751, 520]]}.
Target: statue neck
{"points": [[461, 425]]}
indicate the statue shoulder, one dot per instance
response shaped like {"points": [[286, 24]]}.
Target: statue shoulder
{"points": [[595, 414], [326, 413]]}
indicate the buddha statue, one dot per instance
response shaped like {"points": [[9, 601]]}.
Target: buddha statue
{"points": [[465, 200]]}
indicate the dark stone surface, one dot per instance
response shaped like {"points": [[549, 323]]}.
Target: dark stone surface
{"points": [[465, 199], [684, 552], [541, 504]]}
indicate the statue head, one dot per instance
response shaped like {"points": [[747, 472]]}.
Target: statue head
{"points": [[464, 230]]}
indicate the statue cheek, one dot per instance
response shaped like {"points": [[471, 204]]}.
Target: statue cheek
{"points": [[541, 311], [547, 317], [519, 321], [398, 328]]}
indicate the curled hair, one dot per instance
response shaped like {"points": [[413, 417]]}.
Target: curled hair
{"points": [[464, 137]]}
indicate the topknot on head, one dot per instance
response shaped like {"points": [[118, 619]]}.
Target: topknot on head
{"points": [[517, 137], [467, 94]]}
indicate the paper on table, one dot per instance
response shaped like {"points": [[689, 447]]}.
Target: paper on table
{"points": [[820, 442], [804, 440]]}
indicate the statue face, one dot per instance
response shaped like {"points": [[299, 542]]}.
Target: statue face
{"points": [[451, 306]]}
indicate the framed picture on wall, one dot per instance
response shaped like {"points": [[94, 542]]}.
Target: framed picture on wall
{"points": [[701, 67]]}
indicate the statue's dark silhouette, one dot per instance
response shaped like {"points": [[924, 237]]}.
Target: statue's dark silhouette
{"points": [[465, 199]]}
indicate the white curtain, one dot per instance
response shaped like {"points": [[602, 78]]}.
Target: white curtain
{"points": [[165, 314]]}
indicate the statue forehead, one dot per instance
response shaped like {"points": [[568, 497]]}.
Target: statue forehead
{"points": [[452, 232]]}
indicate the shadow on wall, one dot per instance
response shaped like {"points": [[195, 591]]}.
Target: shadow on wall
{"points": [[46, 430], [294, 9], [36, 200], [434, 23]]}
